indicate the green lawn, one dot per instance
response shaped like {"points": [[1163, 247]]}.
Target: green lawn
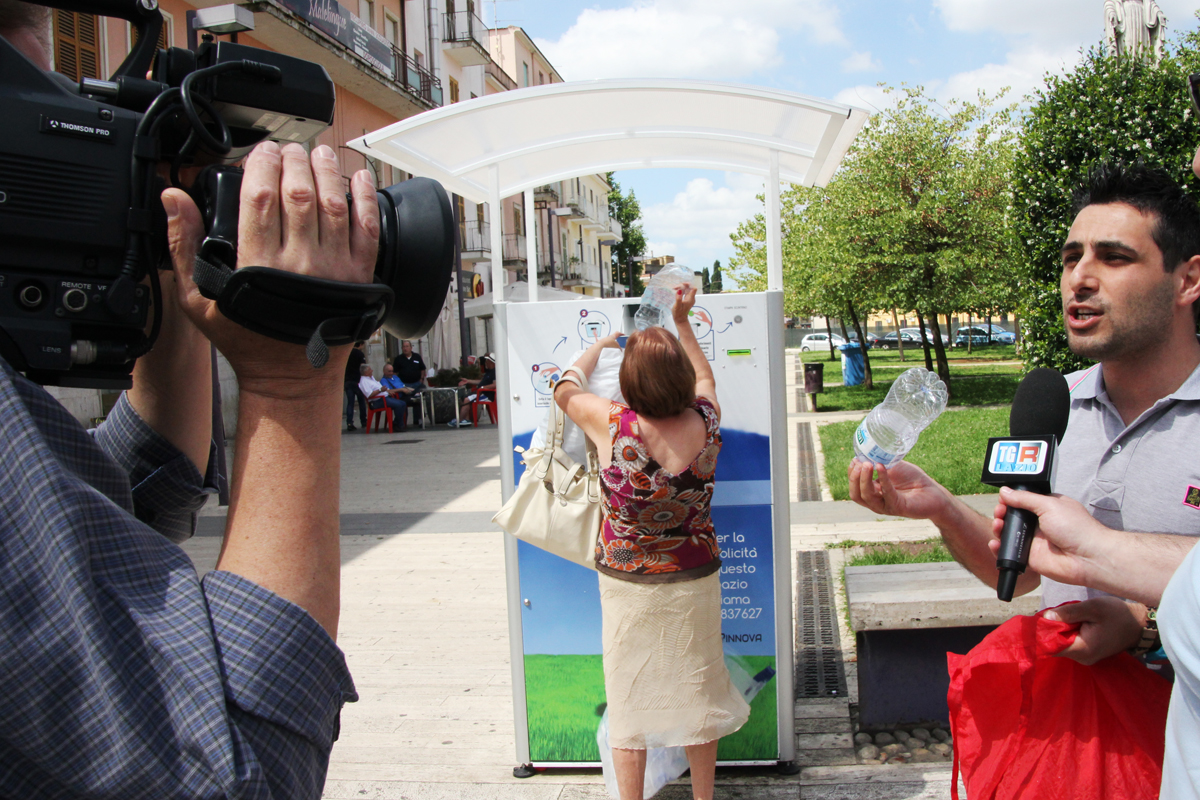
{"points": [[873, 554], [951, 450], [886, 364], [565, 697], [991, 388]]}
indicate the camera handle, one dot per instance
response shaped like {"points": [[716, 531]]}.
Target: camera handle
{"points": [[315, 312], [282, 305], [142, 14]]}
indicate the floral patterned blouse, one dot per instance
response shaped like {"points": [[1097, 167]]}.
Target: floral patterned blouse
{"points": [[657, 527]]}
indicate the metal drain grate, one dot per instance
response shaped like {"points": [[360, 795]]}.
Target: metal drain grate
{"points": [[807, 475], [819, 668]]}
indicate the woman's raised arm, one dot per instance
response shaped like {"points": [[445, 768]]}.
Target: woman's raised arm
{"points": [[706, 384], [585, 409]]}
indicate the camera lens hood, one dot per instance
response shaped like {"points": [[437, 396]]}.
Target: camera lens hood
{"points": [[416, 253]]}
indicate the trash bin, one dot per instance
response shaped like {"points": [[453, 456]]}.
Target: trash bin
{"points": [[854, 369], [814, 378]]}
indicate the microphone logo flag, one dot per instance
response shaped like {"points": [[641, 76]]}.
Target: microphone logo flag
{"points": [[1018, 457]]}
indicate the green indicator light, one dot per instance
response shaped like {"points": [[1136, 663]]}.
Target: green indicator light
{"points": [[745, 352]]}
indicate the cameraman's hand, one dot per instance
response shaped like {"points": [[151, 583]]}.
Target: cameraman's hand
{"points": [[282, 528], [294, 216]]}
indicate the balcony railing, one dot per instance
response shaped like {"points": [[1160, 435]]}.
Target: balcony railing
{"points": [[584, 208], [476, 237], [493, 70], [582, 273], [467, 36], [514, 247], [614, 227], [418, 80]]}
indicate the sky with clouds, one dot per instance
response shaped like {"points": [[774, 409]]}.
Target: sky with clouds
{"points": [[834, 49]]}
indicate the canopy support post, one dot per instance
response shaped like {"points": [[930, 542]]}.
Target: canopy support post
{"points": [[774, 234], [531, 271], [496, 231]]}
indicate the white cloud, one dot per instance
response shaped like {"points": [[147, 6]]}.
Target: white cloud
{"points": [[686, 38], [695, 226], [1023, 70], [861, 62], [1049, 21]]}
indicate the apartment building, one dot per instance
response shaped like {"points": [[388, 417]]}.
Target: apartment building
{"points": [[389, 60], [384, 58]]}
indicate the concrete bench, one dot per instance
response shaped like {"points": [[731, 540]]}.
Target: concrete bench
{"points": [[906, 617]]}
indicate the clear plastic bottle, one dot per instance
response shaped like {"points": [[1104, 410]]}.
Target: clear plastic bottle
{"points": [[891, 429], [658, 300]]}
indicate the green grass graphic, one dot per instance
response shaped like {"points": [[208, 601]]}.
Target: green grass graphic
{"points": [[563, 693]]}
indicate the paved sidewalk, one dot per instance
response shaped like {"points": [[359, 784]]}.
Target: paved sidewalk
{"points": [[424, 627]]}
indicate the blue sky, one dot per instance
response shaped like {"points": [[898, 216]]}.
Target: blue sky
{"points": [[831, 49]]}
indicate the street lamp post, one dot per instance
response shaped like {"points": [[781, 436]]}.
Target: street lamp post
{"points": [[550, 238]]}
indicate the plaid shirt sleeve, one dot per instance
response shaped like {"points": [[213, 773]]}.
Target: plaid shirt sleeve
{"points": [[167, 488], [125, 676]]}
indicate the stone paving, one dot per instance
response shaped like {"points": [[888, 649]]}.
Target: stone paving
{"points": [[424, 627]]}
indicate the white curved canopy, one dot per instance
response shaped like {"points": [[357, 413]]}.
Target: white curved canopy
{"points": [[553, 132]]}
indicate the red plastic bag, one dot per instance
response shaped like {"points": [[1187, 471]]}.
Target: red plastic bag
{"points": [[1029, 725]]}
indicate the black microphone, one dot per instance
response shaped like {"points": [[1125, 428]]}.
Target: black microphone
{"points": [[1024, 460]]}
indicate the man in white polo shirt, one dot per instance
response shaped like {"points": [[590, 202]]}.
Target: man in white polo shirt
{"points": [[1130, 280], [1098, 550]]}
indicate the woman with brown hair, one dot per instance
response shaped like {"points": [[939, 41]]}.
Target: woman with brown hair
{"points": [[658, 559]]}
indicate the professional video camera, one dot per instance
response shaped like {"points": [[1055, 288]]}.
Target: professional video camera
{"points": [[82, 225]]}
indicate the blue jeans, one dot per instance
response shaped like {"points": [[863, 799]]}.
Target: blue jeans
{"points": [[413, 400], [351, 393]]}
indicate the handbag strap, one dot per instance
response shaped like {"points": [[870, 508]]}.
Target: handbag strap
{"points": [[554, 428], [557, 423]]}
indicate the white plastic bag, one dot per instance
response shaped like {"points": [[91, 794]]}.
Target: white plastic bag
{"points": [[605, 382], [665, 764]]}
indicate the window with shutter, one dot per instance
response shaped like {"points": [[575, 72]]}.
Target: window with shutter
{"points": [[76, 44]]}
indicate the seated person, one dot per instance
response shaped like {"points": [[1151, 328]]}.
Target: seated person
{"points": [[485, 390], [377, 396], [396, 388], [409, 367]]}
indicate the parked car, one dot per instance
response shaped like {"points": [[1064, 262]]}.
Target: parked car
{"points": [[889, 341], [871, 338], [978, 335], [820, 341], [916, 334]]}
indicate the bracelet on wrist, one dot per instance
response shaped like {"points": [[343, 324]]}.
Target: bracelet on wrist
{"points": [[1149, 640]]}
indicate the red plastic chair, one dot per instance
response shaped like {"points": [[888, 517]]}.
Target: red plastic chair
{"points": [[374, 414], [488, 405]]}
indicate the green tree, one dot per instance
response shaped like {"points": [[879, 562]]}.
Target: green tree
{"points": [[624, 208], [715, 285], [915, 218], [1106, 109], [924, 209]]}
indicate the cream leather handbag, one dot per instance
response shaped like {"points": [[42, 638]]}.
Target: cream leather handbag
{"points": [[556, 505]]}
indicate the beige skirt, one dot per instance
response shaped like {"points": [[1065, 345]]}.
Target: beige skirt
{"points": [[664, 665]]}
